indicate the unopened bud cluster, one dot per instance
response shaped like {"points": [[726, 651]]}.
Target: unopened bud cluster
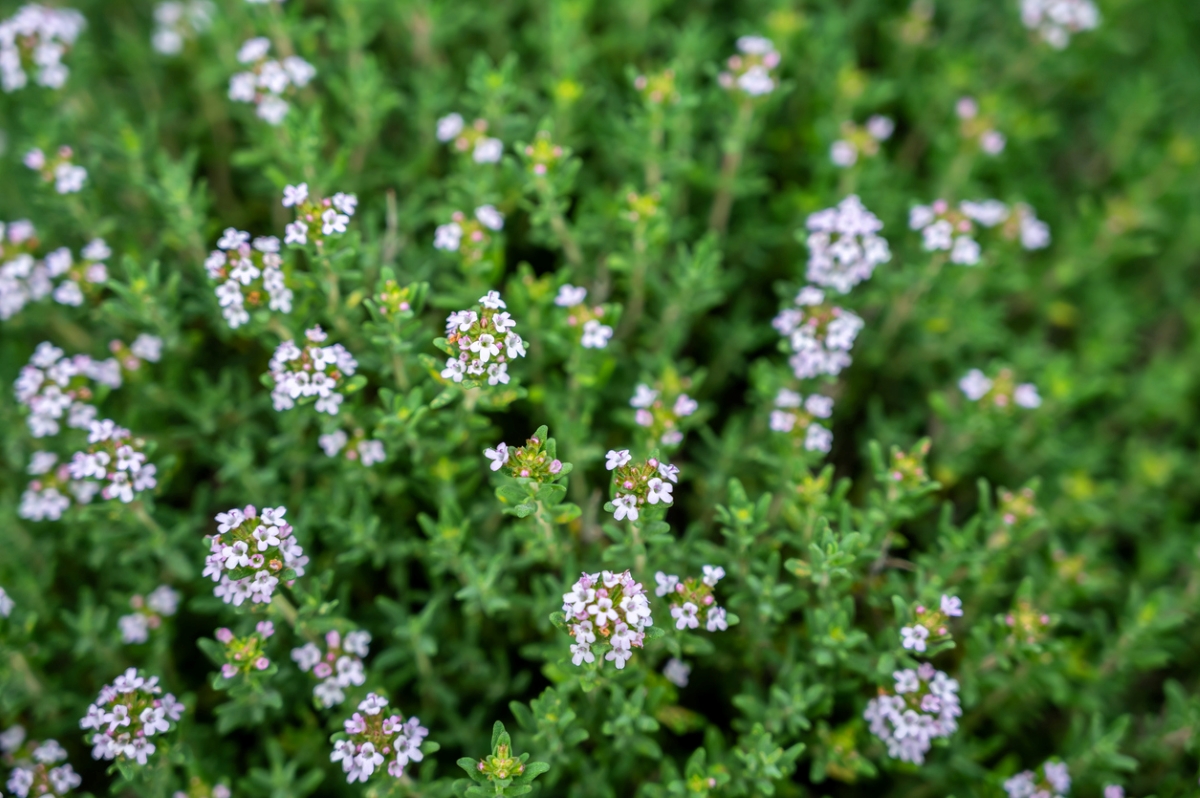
{"points": [[356, 449], [317, 218], [24, 279], [370, 738], [471, 238], [1002, 392], [34, 40], [797, 416], [472, 139], [530, 461], [820, 334], [314, 372], [749, 72], [501, 765], [922, 707], [977, 129], [127, 714], [247, 654], [843, 245], [266, 82], [543, 155], [584, 318], [148, 613], [692, 600], [634, 486], [930, 626], [179, 21], [67, 176], [662, 409], [606, 609], [338, 667], [249, 274], [856, 141], [1053, 781], [36, 771], [484, 340], [250, 555], [659, 88], [1027, 624]]}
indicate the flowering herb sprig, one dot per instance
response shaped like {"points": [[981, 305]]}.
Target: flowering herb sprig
{"points": [[749, 72], [35, 768], [127, 715], [929, 633], [1026, 624], [1015, 510], [24, 279], [923, 706], [267, 82], [905, 473], [797, 415], [472, 140], [665, 410], [53, 385], [248, 274], [583, 318], [177, 22], [114, 461], [338, 667], [1051, 780], [251, 554], [357, 448], [34, 40], [481, 342], [371, 736], [658, 89], [819, 333], [1003, 392], [864, 141], [317, 219], [948, 229], [543, 156], [472, 238], [637, 486], [609, 610], [67, 176], [47, 496], [503, 772], [148, 613], [144, 349], [1055, 21], [692, 601], [242, 658], [977, 129], [844, 246], [315, 373]]}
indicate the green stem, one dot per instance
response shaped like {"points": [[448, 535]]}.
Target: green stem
{"points": [[559, 224], [735, 145]]}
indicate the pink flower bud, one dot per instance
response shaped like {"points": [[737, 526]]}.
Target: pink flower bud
{"points": [[555, 466], [708, 600], [224, 635], [262, 663], [228, 670], [333, 639]]}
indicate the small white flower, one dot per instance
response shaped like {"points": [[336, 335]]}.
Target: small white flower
{"points": [[449, 126], [489, 217], [975, 385], [448, 237], [569, 296], [658, 491], [914, 637], [666, 583], [595, 334], [498, 456], [685, 616], [625, 507], [488, 150], [677, 672], [1026, 395], [295, 195], [712, 575], [843, 154], [952, 606], [617, 458], [492, 300]]}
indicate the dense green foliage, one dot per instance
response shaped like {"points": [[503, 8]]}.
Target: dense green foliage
{"points": [[1077, 640]]}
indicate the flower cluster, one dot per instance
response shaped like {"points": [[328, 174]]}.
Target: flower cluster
{"points": [[1002, 392], [267, 81], [608, 607], [359, 449], [977, 128], [317, 218], [35, 39], [179, 21], [857, 140], [244, 655], [474, 139], [797, 415], [821, 334], [250, 554], [469, 237], [314, 371], [485, 342], [843, 248], [634, 486], [530, 461], [340, 666], [248, 273], [144, 348], [750, 71], [593, 334], [922, 707], [127, 714], [944, 228], [148, 613], [24, 279], [659, 88], [543, 154], [36, 770], [931, 626], [661, 410], [370, 738], [1053, 782], [53, 385], [1056, 20], [692, 600], [67, 177], [114, 462]]}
